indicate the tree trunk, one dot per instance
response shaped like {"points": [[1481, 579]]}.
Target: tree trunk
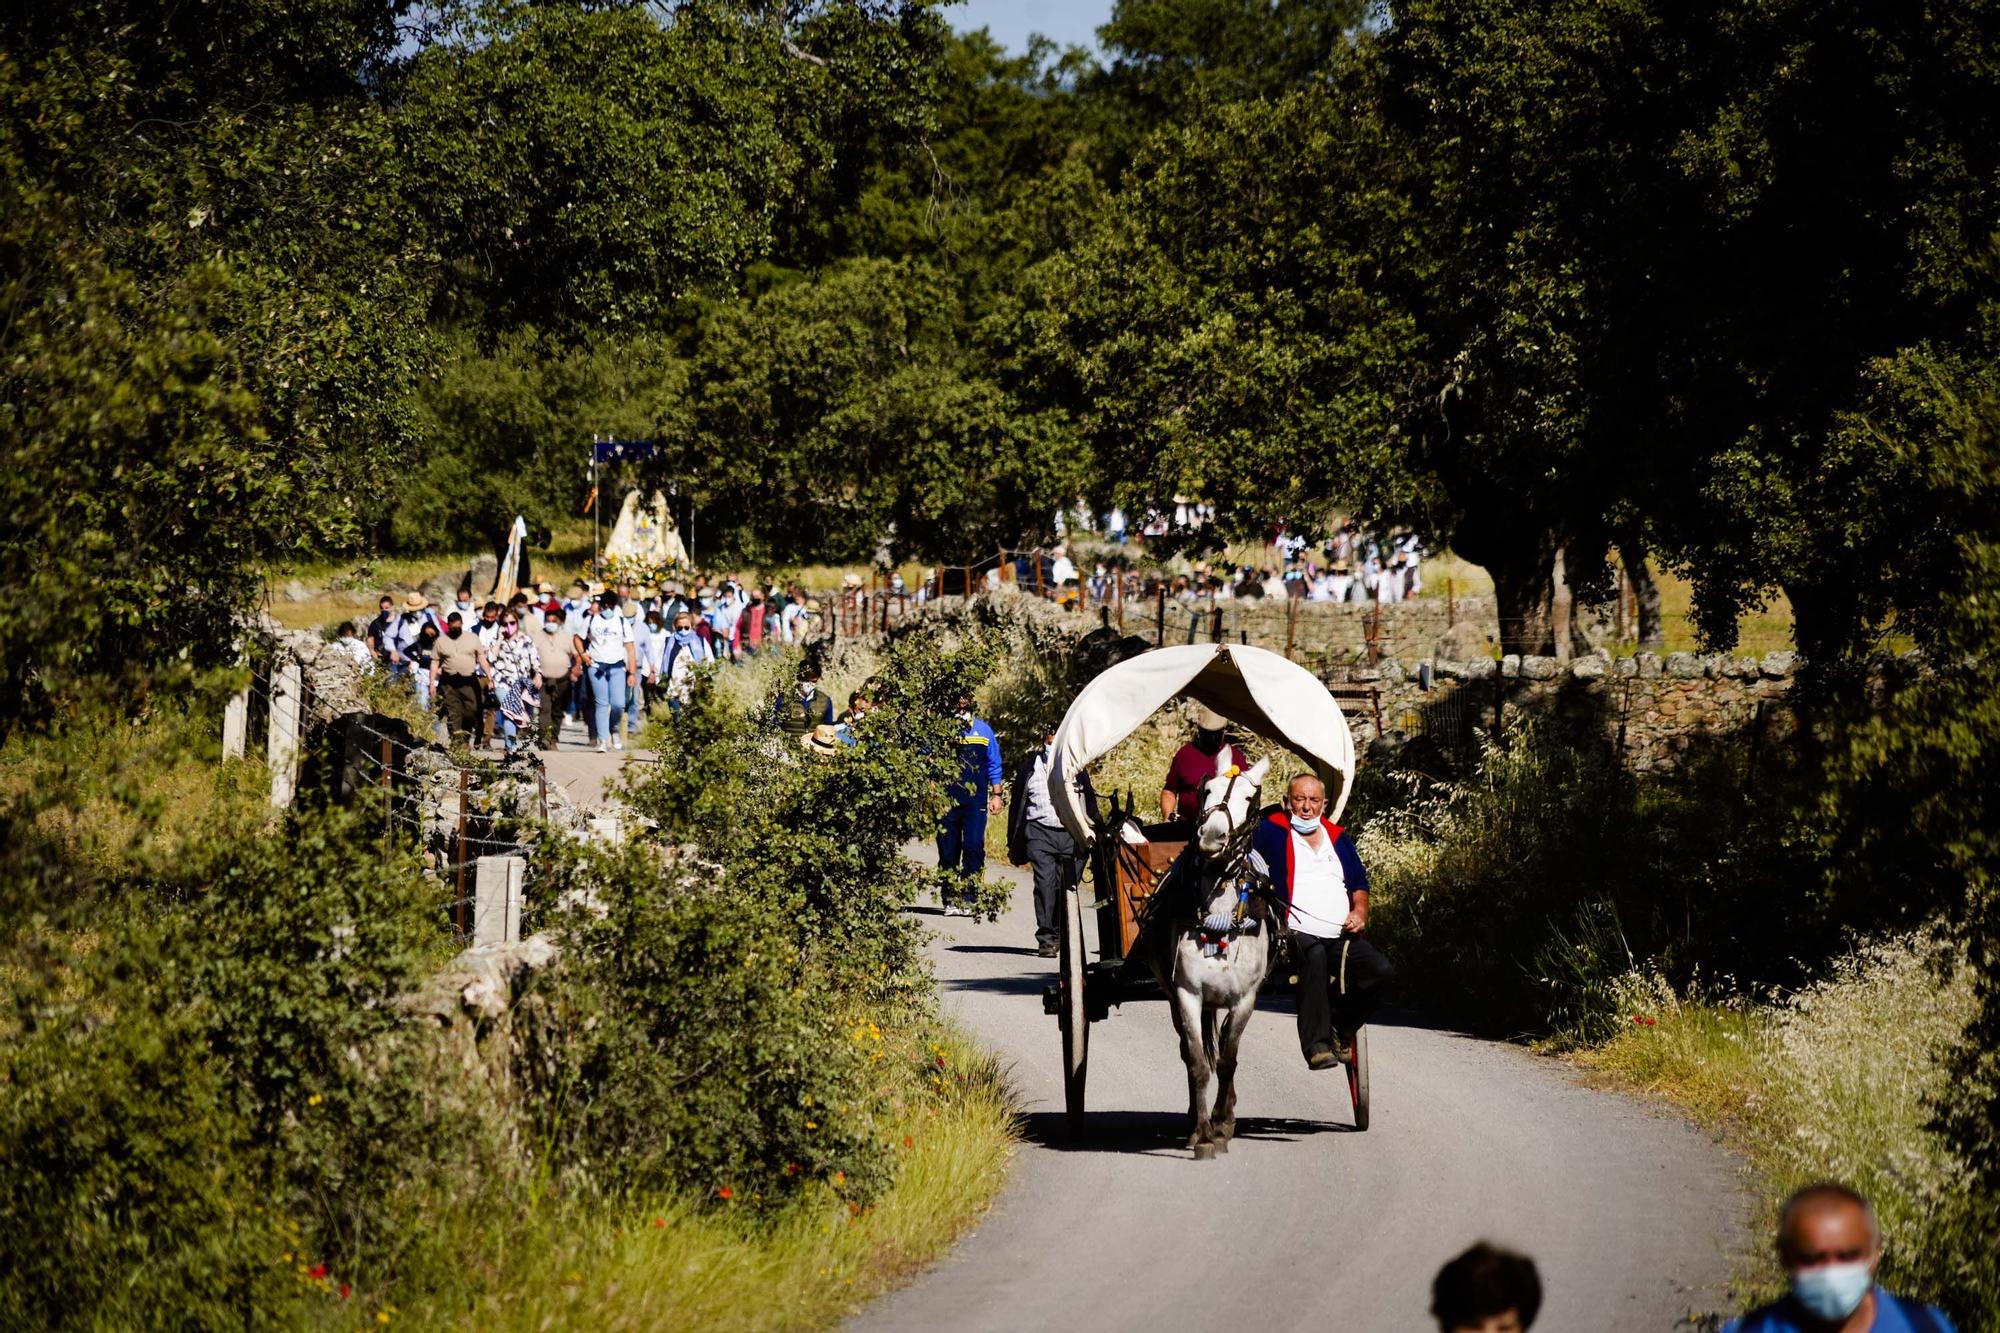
{"points": [[1561, 607], [1652, 630], [1523, 593]]}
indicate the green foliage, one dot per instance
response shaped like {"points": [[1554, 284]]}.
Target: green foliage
{"points": [[506, 428], [718, 1025], [204, 1068], [868, 418], [1229, 328], [1912, 768], [1516, 901]]}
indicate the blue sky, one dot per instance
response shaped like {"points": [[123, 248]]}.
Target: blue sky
{"points": [[1066, 22]]}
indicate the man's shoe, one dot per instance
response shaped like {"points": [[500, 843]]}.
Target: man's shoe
{"points": [[1343, 1047], [600, 747], [1322, 1058], [1048, 951]]}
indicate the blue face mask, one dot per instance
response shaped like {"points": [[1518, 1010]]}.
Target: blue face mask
{"points": [[1832, 1291], [1304, 827]]}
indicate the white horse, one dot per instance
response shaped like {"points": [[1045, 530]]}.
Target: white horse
{"points": [[1210, 948]]}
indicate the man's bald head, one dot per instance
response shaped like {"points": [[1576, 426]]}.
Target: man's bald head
{"points": [[1305, 784], [1827, 1223]]}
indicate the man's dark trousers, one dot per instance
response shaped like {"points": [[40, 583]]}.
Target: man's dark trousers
{"points": [[555, 702], [1052, 856], [1340, 981], [962, 840], [458, 696]]}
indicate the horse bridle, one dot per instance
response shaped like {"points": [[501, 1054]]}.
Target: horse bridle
{"points": [[1238, 846]]}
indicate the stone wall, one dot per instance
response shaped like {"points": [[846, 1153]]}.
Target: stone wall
{"points": [[1653, 709]]}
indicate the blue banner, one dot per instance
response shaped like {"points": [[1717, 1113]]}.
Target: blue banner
{"points": [[623, 451]]}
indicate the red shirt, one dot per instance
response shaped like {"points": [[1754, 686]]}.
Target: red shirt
{"points": [[1190, 772]]}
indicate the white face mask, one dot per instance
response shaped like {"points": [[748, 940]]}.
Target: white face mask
{"points": [[1303, 826], [1832, 1291]]}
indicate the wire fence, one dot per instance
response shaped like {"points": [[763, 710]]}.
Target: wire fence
{"points": [[452, 811]]}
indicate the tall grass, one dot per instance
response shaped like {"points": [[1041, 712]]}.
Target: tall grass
{"points": [[682, 1263], [1836, 1081]]}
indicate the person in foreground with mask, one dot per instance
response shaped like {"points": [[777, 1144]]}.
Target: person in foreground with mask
{"points": [[1829, 1245], [1317, 874]]}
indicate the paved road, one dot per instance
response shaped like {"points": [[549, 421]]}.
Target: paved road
{"points": [[575, 766], [1631, 1214]]}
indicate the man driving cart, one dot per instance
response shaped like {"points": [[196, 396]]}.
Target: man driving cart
{"points": [[1316, 873]]}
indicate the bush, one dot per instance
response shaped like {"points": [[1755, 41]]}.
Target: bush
{"points": [[1515, 900], [202, 1066]]}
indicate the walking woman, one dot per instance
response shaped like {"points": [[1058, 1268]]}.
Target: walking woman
{"points": [[515, 666]]}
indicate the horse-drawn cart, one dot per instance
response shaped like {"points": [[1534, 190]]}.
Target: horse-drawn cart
{"points": [[1261, 691]]}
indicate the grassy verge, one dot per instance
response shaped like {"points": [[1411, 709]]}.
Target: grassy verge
{"points": [[1836, 1081], [685, 1263]]}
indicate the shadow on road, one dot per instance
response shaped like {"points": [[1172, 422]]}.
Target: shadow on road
{"points": [[1157, 1133], [1018, 983], [1018, 950]]}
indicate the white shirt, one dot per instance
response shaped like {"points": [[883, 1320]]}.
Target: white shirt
{"points": [[1319, 888], [604, 638], [1041, 810]]}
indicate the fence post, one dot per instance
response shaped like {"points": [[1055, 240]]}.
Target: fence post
{"points": [[388, 793], [1450, 605], [282, 747], [458, 907], [542, 793], [1291, 625], [1215, 625], [1119, 594], [1160, 633], [496, 916], [236, 724], [1374, 632]]}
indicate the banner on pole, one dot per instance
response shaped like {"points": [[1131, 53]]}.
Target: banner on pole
{"points": [[623, 451]]}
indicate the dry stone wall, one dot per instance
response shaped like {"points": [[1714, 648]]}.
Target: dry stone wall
{"points": [[1653, 709]]}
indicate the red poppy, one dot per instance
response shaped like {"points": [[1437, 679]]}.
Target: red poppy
{"points": [[725, 1192], [659, 1221], [318, 1271], [791, 1168], [345, 1291], [909, 1142]]}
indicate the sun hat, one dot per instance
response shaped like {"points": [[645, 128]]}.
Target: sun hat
{"points": [[545, 588], [823, 739], [812, 606], [414, 602], [1207, 719]]}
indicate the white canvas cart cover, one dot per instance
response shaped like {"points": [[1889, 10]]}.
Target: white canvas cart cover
{"points": [[1253, 687]]}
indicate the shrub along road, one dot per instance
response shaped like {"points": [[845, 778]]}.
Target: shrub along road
{"points": [[1633, 1215]]}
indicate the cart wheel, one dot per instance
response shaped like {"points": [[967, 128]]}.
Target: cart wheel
{"points": [[1074, 1018], [1357, 1078]]}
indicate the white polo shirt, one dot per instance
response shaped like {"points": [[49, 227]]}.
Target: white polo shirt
{"points": [[1319, 888]]}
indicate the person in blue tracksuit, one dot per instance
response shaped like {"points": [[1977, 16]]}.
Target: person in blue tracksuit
{"points": [[974, 796]]}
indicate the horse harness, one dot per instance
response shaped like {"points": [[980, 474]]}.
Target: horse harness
{"points": [[1217, 931]]}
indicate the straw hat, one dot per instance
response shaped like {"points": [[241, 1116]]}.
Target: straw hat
{"points": [[545, 588], [823, 739], [1207, 719], [414, 602], [812, 606]]}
